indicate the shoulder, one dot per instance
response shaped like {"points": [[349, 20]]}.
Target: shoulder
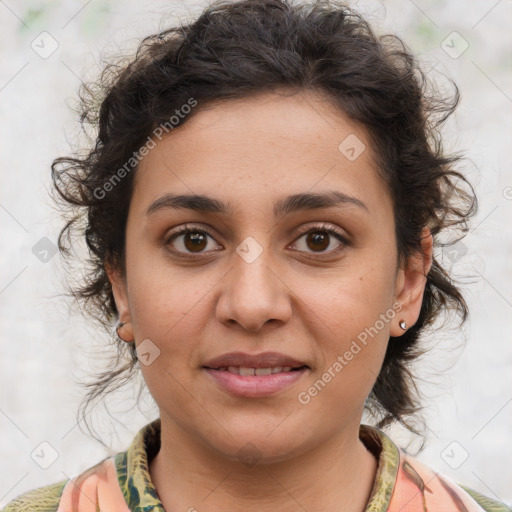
{"points": [[404, 483], [432, 490], [439, 492], [42, 499], [488, 504]]}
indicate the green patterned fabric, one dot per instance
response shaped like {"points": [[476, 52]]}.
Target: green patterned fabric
{"points": [[133, 470], [43, 499], [141, 496], [487, 503], [387, 453]]}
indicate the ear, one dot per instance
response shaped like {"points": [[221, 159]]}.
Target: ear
{"points": [[410, 283], [119, 290]]}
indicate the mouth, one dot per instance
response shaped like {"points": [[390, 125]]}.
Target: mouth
{"points": [[258, 372], [255, 375], [246, 362], [248, 382]]}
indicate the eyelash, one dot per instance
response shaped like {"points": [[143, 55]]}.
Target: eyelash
{"points": [[321, 228]]}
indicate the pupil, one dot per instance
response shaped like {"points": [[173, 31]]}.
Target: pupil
{"points": [[195, 240], [318, 238]]}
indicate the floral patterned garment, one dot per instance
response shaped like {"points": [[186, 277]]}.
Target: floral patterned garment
{"points": [[122, 483]]}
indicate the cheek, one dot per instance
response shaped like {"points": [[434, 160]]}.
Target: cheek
{"points": [[161, 295], [170, 312], [171, 308], [353, 299], [353, 330]]}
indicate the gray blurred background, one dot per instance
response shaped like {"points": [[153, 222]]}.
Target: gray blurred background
{"points": [[48, 349]]}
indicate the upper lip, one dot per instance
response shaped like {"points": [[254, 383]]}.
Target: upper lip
{"points": [[262, 360]]}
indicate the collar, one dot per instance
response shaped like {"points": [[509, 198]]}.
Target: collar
{"points": [[140, 493]]}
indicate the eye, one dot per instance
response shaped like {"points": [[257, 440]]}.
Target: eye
{"points": [[190, 239], [319, 239]]}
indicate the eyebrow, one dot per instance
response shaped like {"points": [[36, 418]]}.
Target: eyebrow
{"points": [[291, 204]]}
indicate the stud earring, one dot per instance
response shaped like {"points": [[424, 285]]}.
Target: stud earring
{"points": [[403, 325]]}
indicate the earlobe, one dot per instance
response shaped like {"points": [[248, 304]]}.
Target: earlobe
{"points": [[411, 282], [121, 325]]}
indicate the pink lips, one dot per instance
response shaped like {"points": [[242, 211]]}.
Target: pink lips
{"points": [[261, 360], [255, 385]]}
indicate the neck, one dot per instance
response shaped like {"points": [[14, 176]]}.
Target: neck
{"points": [[188, 475]]}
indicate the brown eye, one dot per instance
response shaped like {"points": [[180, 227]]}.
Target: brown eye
{"points": [[190, 240], [319, 239], [194, 241]]}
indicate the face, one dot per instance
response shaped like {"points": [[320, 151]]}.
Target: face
{"points": [[317, 281]]}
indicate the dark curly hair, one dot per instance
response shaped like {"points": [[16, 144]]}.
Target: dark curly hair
{"points": [[238, 49]]}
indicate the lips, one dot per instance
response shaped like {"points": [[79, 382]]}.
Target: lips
{"points": [[262, 360]]}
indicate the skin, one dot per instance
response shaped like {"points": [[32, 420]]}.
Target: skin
{"points": [[249, 154]]}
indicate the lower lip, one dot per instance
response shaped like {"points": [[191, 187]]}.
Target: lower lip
{"points": [[257, 385]]}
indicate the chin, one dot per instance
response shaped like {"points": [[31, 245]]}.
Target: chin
{"points": [[259, 448]]}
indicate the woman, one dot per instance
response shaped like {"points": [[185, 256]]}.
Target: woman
{"points": [[262, 203]]}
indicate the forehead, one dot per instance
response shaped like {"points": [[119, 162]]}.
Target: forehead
{"points": [[256, 150]]}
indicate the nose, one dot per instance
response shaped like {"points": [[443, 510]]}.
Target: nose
{"points": [[253, 294]]}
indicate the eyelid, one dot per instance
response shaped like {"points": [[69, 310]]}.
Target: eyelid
{"points": [[324, 226]]}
